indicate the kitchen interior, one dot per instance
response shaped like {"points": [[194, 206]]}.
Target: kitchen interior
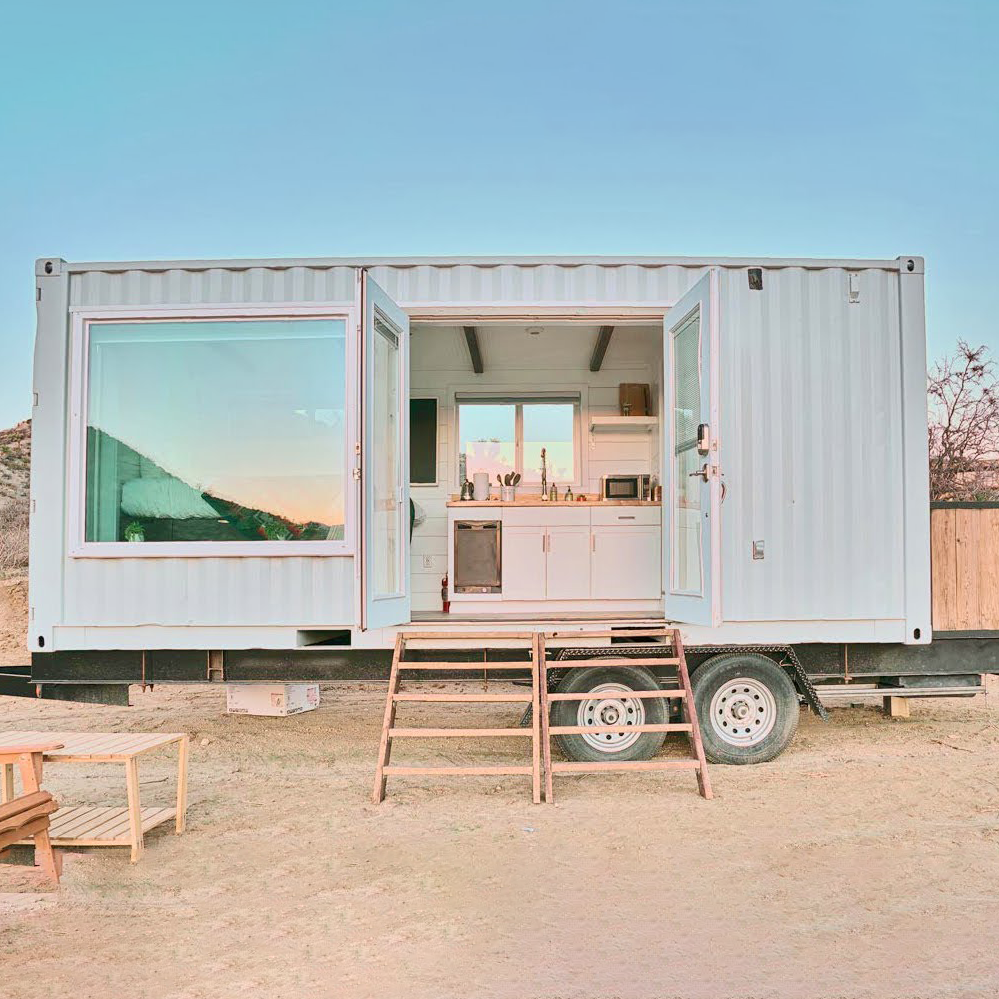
{"points": [[535, 468]]}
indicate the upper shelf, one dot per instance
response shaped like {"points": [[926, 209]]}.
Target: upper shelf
{"points": [[633, 424]]}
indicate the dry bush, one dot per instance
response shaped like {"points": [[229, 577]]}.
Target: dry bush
{"points": [[964, 426], [13, 535]]}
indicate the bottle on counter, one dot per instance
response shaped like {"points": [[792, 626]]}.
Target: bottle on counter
{"points": [[568, 494], [553, 493]]}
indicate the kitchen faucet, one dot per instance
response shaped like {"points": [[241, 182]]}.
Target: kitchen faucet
{"points": [[544, 475]]}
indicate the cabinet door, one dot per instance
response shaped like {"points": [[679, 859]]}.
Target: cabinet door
{"points": [[568, 563], [523, 563], [625, 563]]}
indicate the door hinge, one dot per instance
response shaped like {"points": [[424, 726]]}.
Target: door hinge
{"points": [[357, 462]]}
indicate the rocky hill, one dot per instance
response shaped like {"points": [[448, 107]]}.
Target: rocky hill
{"points": [[15, 463]]}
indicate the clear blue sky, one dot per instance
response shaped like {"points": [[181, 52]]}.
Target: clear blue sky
{"points": [[148, 130]]}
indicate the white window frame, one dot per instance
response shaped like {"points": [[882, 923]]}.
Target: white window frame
{"points": [[76, 486], [576, 395]]}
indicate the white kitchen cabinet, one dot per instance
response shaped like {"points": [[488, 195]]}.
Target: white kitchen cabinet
{"points": [[568, 576], [625, 563], [523, 557]]}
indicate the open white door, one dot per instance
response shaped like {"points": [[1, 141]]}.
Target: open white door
{"points": [[691, 476], [384, 459]]}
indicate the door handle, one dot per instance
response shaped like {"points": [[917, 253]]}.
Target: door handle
{"points": [[702, 472]]}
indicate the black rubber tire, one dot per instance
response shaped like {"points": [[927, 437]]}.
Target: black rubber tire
{"points": [[713, 674], [575, 747]]}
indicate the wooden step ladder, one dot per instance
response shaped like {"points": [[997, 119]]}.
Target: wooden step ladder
{"points": [[400, 665], [690, 725]]}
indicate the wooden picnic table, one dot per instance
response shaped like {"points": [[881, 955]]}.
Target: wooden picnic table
{"points": [[81, 825]]}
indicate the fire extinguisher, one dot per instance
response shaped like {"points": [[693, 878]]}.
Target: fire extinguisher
{"points": [[444, 600]]}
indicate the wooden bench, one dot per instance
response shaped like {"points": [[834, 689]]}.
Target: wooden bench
{"points": [[28, 816]]}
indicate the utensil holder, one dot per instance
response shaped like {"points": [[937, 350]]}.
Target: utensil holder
{"points": [[508, 494]]}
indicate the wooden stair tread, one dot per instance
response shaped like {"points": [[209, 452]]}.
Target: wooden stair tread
{"points": [[465, 665], [466, 733], [451, 636], [541, 731], [624, 765], [459, 698], [598, 729], [640, 694], [615, 661], [472, 669], [619, 633], [672, 644], [470, 771]]}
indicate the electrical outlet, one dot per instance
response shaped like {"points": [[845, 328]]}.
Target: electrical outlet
{"points": [[428, 561]]}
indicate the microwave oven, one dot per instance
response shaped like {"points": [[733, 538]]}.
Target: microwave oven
{"points": [[626, 487]]}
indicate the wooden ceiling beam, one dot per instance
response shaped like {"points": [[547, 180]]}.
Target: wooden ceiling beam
{"points": [[472, 342], [600, 348]]}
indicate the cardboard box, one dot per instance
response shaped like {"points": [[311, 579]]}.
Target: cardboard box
{"points": [[275, 700], [635, 395]]}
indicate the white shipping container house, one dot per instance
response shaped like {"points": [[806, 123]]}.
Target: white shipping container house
{"points": [[221, 452]]}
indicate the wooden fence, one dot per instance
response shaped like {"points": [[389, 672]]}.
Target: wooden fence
{"points": [[964, 545]]}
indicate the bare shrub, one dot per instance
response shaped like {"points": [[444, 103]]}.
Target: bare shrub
{"points": [[13, 535], [964, 426]]}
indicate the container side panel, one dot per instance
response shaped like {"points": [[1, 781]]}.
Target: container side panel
{"points": [[216, 286], [811, 446], [915, 450], [510, 284], [232, 592], [804, 381], [49, 416]]}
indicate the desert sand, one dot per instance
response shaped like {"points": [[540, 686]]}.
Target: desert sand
{"points": [[862, 863]]}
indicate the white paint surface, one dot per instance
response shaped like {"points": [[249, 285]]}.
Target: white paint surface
{"points": [[821, 442]]}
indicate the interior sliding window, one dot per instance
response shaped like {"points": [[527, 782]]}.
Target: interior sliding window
{"points": [[215, 430], [500, 435]]}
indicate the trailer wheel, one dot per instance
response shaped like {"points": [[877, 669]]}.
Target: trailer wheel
{"points": [[609, 705], [747, 708]]}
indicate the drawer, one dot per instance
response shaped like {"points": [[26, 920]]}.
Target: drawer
{"points": [[623, 516], [547, 516]]}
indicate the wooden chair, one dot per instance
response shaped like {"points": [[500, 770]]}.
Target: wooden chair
{"points": [[29, 814]]}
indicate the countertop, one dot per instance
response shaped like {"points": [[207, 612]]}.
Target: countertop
{"points": [[538, 501]]}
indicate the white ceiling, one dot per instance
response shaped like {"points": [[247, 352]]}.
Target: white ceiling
{"points": [[508, 345]]}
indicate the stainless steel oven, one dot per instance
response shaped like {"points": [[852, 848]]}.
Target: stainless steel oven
{"points": [[626, 487], [477, 561]]}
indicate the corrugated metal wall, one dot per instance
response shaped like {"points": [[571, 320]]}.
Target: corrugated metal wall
{"points": [[511, 284], [225, 592], [811, 445], [216, 286], [502, 284]]}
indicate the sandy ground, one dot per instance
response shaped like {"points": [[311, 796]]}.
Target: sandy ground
{"points": [[13, 622], [862, 863]]}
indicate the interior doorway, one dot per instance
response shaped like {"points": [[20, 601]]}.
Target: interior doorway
{"points": [[488, 396]]}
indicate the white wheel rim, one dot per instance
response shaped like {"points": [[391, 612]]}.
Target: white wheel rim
{"points": [[610, 705], [743, 712]]}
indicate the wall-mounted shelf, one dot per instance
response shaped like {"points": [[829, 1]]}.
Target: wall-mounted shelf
{"points": [[623, 424]]}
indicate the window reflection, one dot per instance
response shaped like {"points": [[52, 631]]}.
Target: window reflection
{"points": [[216, 430]]}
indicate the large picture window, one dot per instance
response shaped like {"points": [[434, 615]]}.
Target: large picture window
{"points": [[503, 435], [215, 430]]}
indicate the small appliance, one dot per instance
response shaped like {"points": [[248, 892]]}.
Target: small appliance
{"points": [[626, 487]]}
